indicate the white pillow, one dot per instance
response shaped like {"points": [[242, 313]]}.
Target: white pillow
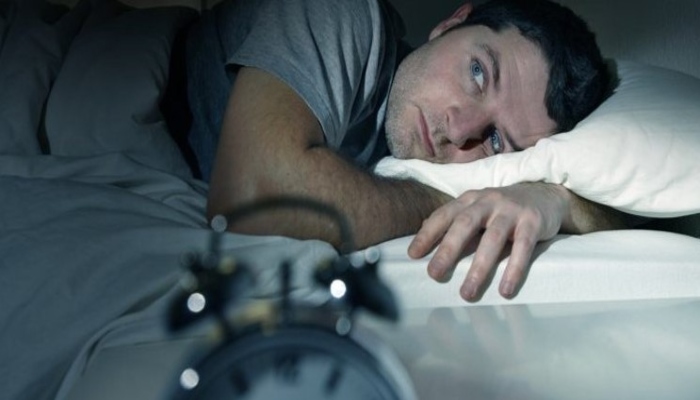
{"points": [[107, 96], [639, 152]]}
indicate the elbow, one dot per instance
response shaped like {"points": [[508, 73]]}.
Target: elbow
{"points": [[214, 208], [234, 200], [226, 196]]}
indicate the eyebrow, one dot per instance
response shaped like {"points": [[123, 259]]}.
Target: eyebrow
{"points": [[494, 58]]}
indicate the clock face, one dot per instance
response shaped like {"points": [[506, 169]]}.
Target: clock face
{"points": [[290, 363]]}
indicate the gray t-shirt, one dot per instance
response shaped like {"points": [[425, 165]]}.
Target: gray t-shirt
{"points": [[338, 55]]}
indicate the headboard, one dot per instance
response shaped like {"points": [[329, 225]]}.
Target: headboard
{"points": [[196, 4], [646, 31], [641, 30], [665, 34]]}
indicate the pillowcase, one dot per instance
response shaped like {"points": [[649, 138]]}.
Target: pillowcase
{"points": [[34, 37], [107, 96], [637, 152]]}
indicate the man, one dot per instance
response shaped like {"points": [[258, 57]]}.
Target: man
{"points": [[299, 97]]}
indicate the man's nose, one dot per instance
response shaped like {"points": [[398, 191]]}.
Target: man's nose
{"points": [[465, 124]]}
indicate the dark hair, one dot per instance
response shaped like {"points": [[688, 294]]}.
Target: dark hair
{"points": [[578, 76]]}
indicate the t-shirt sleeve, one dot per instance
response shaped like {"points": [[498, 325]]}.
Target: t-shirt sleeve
{"points": [[328, 51]]}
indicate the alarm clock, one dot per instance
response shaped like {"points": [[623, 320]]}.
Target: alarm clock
{"points": [[280, 348]]}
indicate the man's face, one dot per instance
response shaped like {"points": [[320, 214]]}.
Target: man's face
{"points": [[469, 94]]}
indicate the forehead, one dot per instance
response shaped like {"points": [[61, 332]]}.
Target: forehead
{"points": [[522, 74]]}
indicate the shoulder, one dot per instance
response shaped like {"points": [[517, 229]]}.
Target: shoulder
{"points": [[318, 14], [343, 16]]}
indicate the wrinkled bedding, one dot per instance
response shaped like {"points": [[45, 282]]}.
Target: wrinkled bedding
{"points": [[91, 245], [92, 248]]}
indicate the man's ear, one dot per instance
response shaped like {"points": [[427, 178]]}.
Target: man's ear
{"points": [[457, 18]]}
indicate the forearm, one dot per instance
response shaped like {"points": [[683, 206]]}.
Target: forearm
{"points": [[376, 208], [584, 216]]}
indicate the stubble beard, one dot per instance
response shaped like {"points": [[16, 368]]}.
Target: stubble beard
{"points": [[397, 146], [395, 125]]}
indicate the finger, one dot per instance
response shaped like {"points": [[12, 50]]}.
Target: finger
{"points": [[425, 241], [524, 242], [432, 230], [486, 258], [435, 226], [459, 235]]}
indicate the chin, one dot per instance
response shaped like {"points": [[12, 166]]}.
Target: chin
{"points": [[401, 151]]}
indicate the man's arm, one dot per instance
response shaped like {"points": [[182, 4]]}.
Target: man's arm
{"points": [[272, 145], [522, 214], [585, 216]]}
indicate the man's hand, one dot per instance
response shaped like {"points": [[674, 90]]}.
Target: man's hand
{"points": [[523, 214]]}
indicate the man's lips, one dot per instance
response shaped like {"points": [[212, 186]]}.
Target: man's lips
{"points": [[425, 135]]}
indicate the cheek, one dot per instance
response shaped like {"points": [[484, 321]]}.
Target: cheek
{"points": [[423, 73], [442, 82]]}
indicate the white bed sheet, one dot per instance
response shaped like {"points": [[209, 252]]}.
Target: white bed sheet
{"points": [[92, 247], [601, 266]]}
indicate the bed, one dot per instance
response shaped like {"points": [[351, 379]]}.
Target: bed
{"points": [[100, 209]]}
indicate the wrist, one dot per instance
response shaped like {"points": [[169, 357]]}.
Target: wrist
{"points": [[567, 208]]}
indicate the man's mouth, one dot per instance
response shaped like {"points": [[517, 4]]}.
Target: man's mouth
{"points": [[425, 135]]}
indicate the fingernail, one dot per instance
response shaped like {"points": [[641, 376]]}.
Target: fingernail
{"points": [[507, 288], [412, 249], [434, 270], [470, 290]]}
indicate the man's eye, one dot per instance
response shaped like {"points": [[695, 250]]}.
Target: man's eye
{"points": [[496, 143], [477, 74]]}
